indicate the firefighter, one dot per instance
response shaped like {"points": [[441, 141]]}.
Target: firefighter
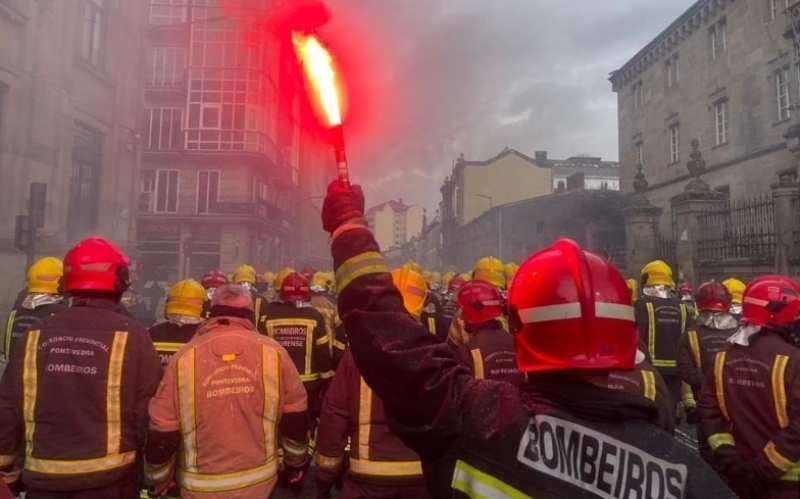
{"points": [[308, 272], [489, 353], [227, 402], [44, 297], [431, 309], [661, 320], [633, 286], [76, 390], [184, 312], [510, 270], [413, 288], [245, 276], [686, 297], [322, 303], [488, 269], [269, 282], [736, 288], [750, 403], [449, 309], [445, 282], [573, 323], [300, 329], [135, 306], [211, 281]]}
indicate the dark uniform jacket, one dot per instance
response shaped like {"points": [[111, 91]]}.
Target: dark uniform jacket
{"points": [[661, 322], [489, 354], [550, 438], [169, 337], [697, 350], [444, 317], [21, 319], [337, 342], [751, 403], [74, 398], [377, 456], [646, 382]]}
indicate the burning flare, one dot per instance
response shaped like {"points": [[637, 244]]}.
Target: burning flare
{"points": [[318, 65]]}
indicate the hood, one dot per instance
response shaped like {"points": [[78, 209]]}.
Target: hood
{"points": [[659, 291], [184, 320], [717, 320], [35, 300]]}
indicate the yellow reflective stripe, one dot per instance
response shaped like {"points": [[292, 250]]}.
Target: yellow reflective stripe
{"points": [[326, 375], [432, 325], [651, 331], [295, 448], [339, 345], [695, 346], [197, 482], [271, 376], [327, 462], [718, 440], [114, 393], [665, 363], [6, 460], [9, 329], [478, 485], [359, 265], [477, 364], [649, 380], [719, 364], [385, 468], [792, 474], [305, 378], [779, 389], [683, 317], [364, 419], [168, 347], [776, 458], [188, 419], [156, 473], [53, 467], [322, 340], [30, 388], [256, 310]]}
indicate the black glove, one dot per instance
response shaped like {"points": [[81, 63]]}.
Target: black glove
{"points": [[691, 415], [292, 476], [341, 204]]}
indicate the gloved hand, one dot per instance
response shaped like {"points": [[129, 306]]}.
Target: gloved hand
{"points": [[691, 415], [341, 204], [292, 476]]}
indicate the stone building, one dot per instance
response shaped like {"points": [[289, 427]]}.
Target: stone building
{"points": [[70, 99], [395, 223], [725, 73], [596, 173]]}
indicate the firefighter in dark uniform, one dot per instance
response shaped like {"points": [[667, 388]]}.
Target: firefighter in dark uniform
{"points": [[661, 320], [449, 307], [379, 464], [211, 281], [44, 298], [431, 311], [573, 322], [750, 403], [73, 401], [184, 309], [300, 329], [489, 353], [323, 303]]}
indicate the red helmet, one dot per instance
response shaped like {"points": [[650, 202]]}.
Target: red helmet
{"points": [[214, 279], [480, 302], [455, 284], [295, 288], [771, 301], [96, 264], [713, 297], [308, 272], [685, 288], [571, 309]]}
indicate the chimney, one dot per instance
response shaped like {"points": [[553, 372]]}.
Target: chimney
{"points": [[540, 156]]}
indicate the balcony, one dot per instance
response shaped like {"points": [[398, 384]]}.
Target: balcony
{"points": [[259, 210], [793, 22]]}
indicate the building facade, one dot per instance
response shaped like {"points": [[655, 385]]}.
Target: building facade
{"points": [[596, 173], [70, 99], [395, 223], [725, 73]]}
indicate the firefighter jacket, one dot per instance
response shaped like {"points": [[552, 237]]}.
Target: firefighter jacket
{"points": [[550, 438], [377, 456], [28, 313], [74, 398], [224, 399], [457, 334], [661, 322], [751, 402], [428, 318], [700, 345], [646, 382], [169, 337], [444, 317], [489, 354], [337, 343]]}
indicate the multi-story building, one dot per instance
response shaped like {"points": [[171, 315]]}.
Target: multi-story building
{"points": [[597, 174], [725, 73], [69, 104], [226, 174], [395, 223]]}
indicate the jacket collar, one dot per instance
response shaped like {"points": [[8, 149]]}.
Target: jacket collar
{"points": [[220, 323], [97, 303]]}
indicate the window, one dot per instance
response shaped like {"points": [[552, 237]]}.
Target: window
{"points": [[777, 6], [165, 66], [718, 37], [721, 122], [674, 150], [165, 128], [84, 182], [639, 149], [782, 92], [672, 68], [638, 95], [165, 12], [160, 188], [207, 190], [210, 116], [93, 32]]}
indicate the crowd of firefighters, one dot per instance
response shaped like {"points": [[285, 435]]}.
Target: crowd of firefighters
{"points": [[249, 379]]}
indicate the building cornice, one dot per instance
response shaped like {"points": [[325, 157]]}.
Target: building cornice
{"points": [[667, 41]]}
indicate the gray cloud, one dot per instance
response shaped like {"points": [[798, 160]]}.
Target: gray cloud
{"points": [[472, 76]]}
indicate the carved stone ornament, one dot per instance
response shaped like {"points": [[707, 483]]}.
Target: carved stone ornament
{"points": [[639, 180], [696, 166]]}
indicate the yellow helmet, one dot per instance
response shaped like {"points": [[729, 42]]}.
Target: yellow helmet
{"points": [[446, 278], [281, 276], [466, 277], [44, 276], [491, 270], [269, 277], [413, 266], [427, 274], [736, 288], [412, 286], [186, 298], [320, 280], [633, 286], [244, 273], [657, 273], [510, 269], [436, 278]]}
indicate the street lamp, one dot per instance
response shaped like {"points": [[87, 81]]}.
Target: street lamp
{"points": [[484, 197]]}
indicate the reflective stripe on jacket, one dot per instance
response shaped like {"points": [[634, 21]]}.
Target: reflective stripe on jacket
{"points": [[661, 323]]}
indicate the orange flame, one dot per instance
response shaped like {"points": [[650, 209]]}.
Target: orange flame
{"points": [[318, 66]]}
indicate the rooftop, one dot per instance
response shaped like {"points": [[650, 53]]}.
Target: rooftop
{"points": [[396, 206]]}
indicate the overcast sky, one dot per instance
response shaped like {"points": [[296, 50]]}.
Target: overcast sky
{"points": [[430, 79]]}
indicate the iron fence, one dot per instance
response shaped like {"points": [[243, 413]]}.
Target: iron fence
{"points": [[611, 246], [741, 229], [667, 250]]}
